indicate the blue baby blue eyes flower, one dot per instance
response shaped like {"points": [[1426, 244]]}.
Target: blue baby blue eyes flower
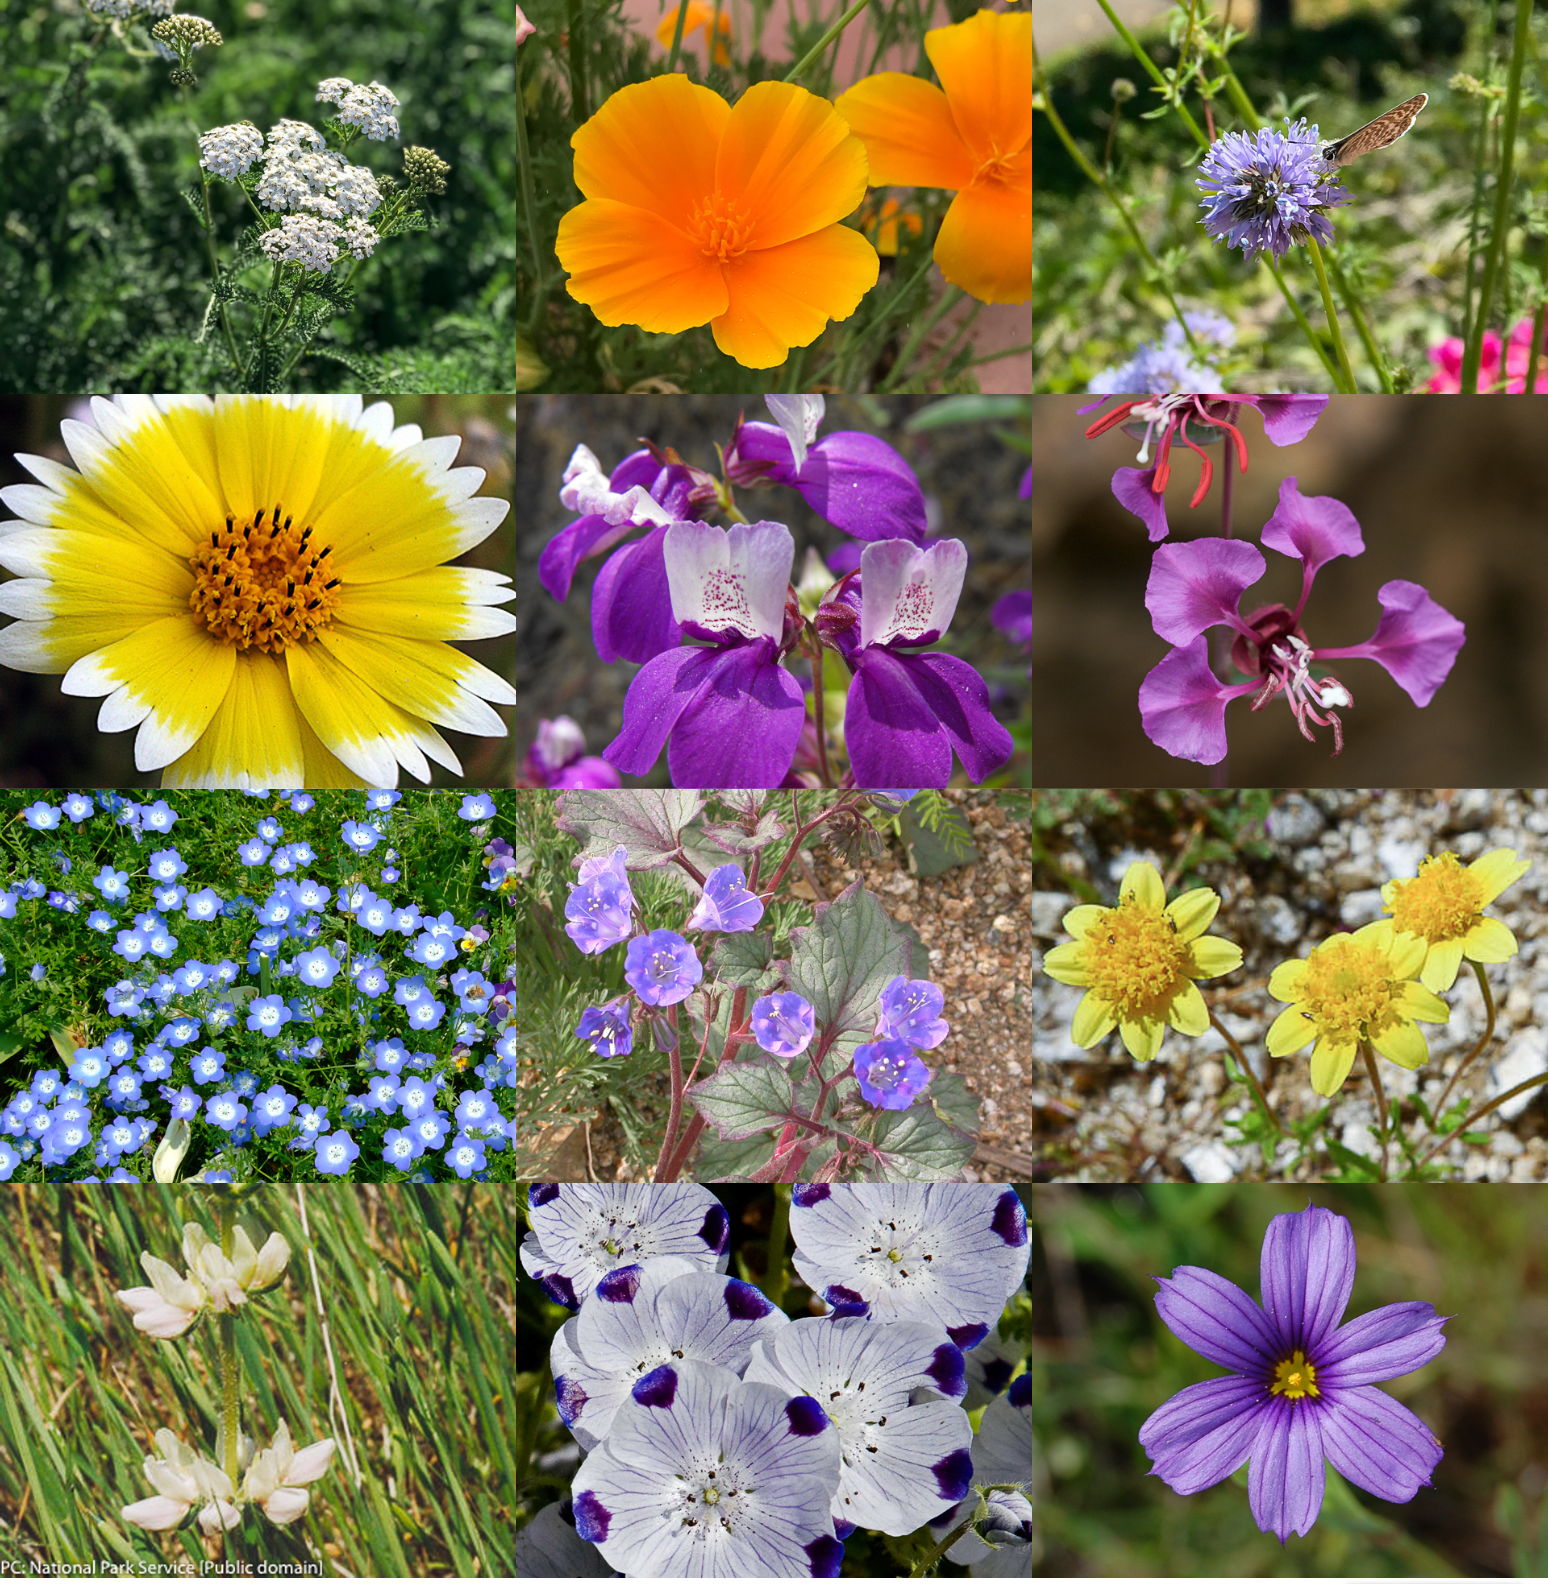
{"points": [[77, 806], [662, 968], [477, 806], [202, 905], [359, 835], [270, 829], [253, 851], [225, 1111], [606, 1029], [317, 967], [41, 815], [890, 1074], [783, 1024], [112, 883], [381, 799], [336, 1153], [158, 817], [911, 1011], [599, 908], [465, 1156], [103, 923], [726, 903], [167, 865], [267, 1015]]}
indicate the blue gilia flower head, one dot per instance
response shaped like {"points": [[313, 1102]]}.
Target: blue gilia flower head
{"points": [[904, 1440], [606, 1029], [662, 968], [943, 1255], [1301, 1386], [581, 1231], [891, 1076], [706, 1476], [911, 1010], [599, 905], [783, 1023], [726, 903], [1268, 189]]}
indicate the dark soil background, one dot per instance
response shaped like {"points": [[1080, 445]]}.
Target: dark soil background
{"points": [[1447, 493], [969, 477]]}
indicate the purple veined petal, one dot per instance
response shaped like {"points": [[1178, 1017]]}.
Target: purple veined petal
{"points": [[1289, 419], [1312, 529], [730, 580], [1202, 1435], [1307, 1271], [1182, 704], [657, 696], [907, 712], [1378, 1444], [1217, 1320], [1197, 584], [1286, 1481], [586, 536], [1132, 490], [631, 605], [907, 594], [799, 417], [587, 1396], [589, 491], [743, 723], [1416, 641], [1386, 1342]]}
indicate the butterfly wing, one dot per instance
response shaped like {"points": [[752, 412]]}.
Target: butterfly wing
{"points": [[1385, 130]]}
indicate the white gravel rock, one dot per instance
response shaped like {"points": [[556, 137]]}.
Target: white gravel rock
{"points": [[1526, 1056], [1210, 1163]]}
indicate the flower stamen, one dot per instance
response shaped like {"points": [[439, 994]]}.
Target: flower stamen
{"points": [[1295, 1377], [263, 586]]}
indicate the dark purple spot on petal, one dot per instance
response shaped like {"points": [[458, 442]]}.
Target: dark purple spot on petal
{"points": [[953, 1474], [946, 1370], [559, 1288], [840, 1295], [567, 1511], [806, 1416], [620, 1286], [1010, 1218], [591, 1518], [745, 1302], [850, 1311], [1020, 1393], [540, 1193], [996, 1373], [967, 1337], [570, 1397], [657, 1389], [805, 1195], [843, 1528], [716, 1230], [826, 1554]]}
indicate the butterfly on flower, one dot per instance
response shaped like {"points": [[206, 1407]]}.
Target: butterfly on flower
{"points": [[1381, 133]]}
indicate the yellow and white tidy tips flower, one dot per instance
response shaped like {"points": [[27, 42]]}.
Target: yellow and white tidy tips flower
{"points": [[277, 1478], [1443, 905], [1138, 962], [183, 1479], [256, 584]]}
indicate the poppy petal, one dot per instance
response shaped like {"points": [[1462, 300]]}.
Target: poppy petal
{"points": [[909, 135], [985, 66], [985, 242]]}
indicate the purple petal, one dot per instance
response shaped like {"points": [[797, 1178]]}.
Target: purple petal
{"points": [[1217, 1320], [1182, 704], [1288, 419], [948, 1371], [631, 604], [1010, 1218], [852, 480], [826, 1553], [1132, 490], [1285, 1483], [913, 709], [586, 536], [805, 1194], [1378, 1444], [1198, 584], [1389, 1341], [1313, 528], [591, 1517], [1416, 640], [657, 696], [1307, 1271], [743, 723], [745, 1302], [657, 1389], [967, 1337], [953, 1474], [1203, 1434], [716, 1231], [806, 1416]]}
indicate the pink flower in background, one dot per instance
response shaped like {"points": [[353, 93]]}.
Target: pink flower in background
{"points": [[1447, 358], [524, 28]]}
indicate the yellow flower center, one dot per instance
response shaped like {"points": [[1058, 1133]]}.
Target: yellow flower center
{"points": [[1295, 1377], [264, 584], [722, 228], [996, 168], [1349, 988], [1442, 902], [1134, 958]]}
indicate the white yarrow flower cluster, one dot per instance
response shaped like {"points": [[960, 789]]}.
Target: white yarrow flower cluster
{"points": [[368, 106], [302, 239], [230, 151], [358, 236], [122, 10]]}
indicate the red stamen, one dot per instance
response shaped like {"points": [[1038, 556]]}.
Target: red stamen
{"points": [[1206, 469], [1163, 463], [1116, 416]]}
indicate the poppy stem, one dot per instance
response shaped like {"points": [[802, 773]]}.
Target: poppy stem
{"points": [[833, 32], [1381, 1100]]}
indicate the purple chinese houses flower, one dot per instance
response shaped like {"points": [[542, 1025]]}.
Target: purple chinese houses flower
{"points": [[558, 758], [1301, 1387]]}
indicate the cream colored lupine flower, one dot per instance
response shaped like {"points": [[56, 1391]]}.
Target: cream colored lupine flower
{"points": [[1353, 988], [183, 1479], [1443, 905], [248, 1272], [256, 584], [1138, 962], [169, 1305], [277, 1477]]}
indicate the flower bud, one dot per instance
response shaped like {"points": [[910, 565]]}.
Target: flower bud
{"points": [[170, 1151]]}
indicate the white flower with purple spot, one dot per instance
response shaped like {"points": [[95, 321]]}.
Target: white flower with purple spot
{"points": [[581, 1231], [943, 1254], [705, 1476], [1002, 1455], [645, 1316]]}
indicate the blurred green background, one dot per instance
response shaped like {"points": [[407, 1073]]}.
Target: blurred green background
{"points": [[1102, 1362]]}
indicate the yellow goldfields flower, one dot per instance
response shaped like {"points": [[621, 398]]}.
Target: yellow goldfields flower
{"points": [[1138, 962], [255, 583], [1443, 905], [1353, 988]]}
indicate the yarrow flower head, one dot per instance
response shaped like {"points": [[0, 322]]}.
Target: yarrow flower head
{"points": [[1443, 905], [231, 151], [302, 239], [1268, 190], [368, 106], [1138, 962], [1355, 990], [1198, 584], [662, 968], [1301, 1387]]}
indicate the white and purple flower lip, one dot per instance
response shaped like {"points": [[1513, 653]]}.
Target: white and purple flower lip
{"points": [[1301, 1387]]}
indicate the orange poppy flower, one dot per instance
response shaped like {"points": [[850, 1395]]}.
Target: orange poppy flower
{"points": [[976, 137], [699, 16], [697, 212], [882, 223]]}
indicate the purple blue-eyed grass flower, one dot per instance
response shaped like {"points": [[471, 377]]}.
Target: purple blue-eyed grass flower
{"points": [[890, 1075], [1267, 191], [783, 1023], [662, 968], [911, 1010], [1302, 1386], [1198, 584], [726, 904], [606, 1029], [598, 910]]}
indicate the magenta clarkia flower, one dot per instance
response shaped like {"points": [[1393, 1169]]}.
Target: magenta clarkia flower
{"points": [[1198, 585], [1301, 1387]]}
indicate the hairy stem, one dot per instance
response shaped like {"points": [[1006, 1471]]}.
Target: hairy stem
{"points": [[1381, 1100]]}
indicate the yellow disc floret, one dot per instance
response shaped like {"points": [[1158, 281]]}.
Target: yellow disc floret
{"points": [[1443, 900], [1134, 958], [1295, 1377], [1349, 988], [1443, 905], [264, 584]]}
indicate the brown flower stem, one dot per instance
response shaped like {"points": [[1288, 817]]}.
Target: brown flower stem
{"points": [[1381, 1100], [1252, 1078], [1482, 1112], [1484, 1038]]}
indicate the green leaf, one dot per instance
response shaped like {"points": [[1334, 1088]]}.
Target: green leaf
{"points": [[744, 1097], [965, 409], [10, 1042], [734, 839], [842, 960], [916, 1145], [63, 1042], [732, 1160], [953, 1102], [649, 824], [742, 960]]}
